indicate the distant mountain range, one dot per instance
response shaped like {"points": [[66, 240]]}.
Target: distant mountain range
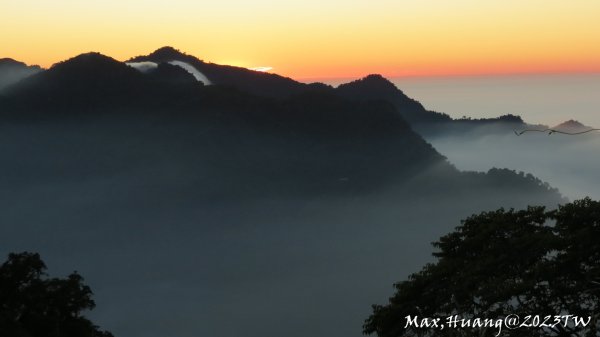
{"points": [[274, 135], [254, 82], [12, 71], [572, 126], [372, 87]]}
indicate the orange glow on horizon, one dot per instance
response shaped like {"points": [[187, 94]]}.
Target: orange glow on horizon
{"points": [[312, 39], [327, 70]]}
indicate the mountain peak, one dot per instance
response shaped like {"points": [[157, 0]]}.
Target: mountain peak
{"points": [[375, 77], [377, 87], [167, 53], [13, 71], [373, 86], [87, 59], [374, 82], [11, 62], [91, 69], [572, 123], [572, 126]]}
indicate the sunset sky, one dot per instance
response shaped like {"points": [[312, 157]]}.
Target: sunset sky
{"points": [[317, 38]]}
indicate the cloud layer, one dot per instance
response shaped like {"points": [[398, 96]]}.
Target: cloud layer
{"points": [[149, 66]]}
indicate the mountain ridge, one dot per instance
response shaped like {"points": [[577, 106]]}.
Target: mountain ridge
{"points": [[375, 86], [369, 88], [315, 141], [254, 82], [571, 126], [13, 71]]}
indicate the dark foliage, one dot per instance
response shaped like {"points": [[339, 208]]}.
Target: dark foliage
{"points": [[34, 305], [506, 262]]}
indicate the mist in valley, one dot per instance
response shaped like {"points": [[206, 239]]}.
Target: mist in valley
{"points": [[177, 233], [205, 210], [568, 162]]}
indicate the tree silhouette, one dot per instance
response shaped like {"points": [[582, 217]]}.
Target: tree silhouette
{"points": [[32, 304], [528, 262]]}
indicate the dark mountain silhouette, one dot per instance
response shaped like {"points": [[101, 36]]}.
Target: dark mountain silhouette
{"points": [[319, 137], [425, 122], [95, 82], [259, 83], [7, 61], [315, 141], [372, 87], [505, 124], [88, 80], [12, 71], [376, 87], [110, 161], [85, 73]]}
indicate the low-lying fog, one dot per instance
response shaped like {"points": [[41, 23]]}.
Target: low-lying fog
{"points": [[126, 206], [569, 163]]}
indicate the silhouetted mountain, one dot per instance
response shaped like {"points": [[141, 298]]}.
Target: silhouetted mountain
{"points": [[164, 54], [314, 141], [372, 87], [509, 119], [425, 122], [376, 87], [152, 174], [86, 73], [259, 83], [88, 80], [12, 71], [5, 62], [95, 82]]}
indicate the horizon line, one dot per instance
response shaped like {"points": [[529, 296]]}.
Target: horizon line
{"points": [[311, 79]]}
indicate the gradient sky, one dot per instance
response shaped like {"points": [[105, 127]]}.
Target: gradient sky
{"points": [[317, 38]]}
